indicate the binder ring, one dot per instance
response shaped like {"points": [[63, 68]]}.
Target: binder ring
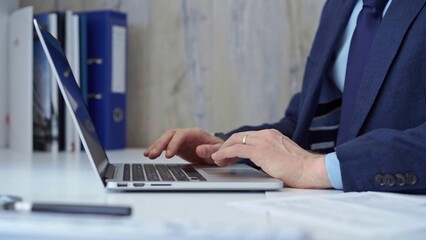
{"points": [[97, 61], [96, 96], [117, 115]]}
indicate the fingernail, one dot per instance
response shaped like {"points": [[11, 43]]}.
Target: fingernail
{"points": [[220, 164]]}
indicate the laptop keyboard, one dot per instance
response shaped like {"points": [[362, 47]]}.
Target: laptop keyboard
{"points": [[161, 172]]}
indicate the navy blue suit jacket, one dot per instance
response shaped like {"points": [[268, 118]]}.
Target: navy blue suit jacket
{"points": [[387, 146]]}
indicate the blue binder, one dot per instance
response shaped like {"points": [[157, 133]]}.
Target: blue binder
{"points": [[83, 57], [107, 78]]}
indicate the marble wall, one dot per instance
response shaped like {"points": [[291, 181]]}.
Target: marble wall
{"points": [[215, 64]]}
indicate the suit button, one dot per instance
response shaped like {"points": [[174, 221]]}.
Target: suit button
{"points": [[400, 179], [379, 179], [389, 180], [411, 178]]}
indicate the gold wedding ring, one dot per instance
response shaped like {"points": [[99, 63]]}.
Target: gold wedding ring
{"points": [[245, 139]]}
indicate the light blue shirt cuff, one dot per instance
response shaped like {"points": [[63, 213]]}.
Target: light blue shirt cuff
{"points": [[332, 165]]}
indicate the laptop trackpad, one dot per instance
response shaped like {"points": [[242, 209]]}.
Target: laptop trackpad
{"points": [[233, 172]]}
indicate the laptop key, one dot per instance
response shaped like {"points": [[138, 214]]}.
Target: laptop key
{"points": [[177, 173], [137, 172], [151, 173], [192, 173], [126, 173], [164, 173]]}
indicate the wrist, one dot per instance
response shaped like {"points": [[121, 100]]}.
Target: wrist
{"points": [[316, 172]]}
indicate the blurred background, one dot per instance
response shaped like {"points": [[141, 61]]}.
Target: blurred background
{"points": [[214, 64]]}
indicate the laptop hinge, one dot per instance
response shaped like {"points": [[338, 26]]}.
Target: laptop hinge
{"points": [[109, 171]]}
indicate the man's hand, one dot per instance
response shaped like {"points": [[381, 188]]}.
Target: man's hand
{"points": [[278, 156], [191, 144]]}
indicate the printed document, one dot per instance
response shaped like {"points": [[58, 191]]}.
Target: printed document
{"points": [[369, 213]]}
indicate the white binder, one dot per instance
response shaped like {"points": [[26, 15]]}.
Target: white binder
{"points": [[6, 7], [20, 45]]}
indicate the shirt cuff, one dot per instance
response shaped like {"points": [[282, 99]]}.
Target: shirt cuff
{"points": [[332, 165]]}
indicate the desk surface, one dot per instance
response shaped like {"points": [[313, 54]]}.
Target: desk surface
{"points": [[69, 178]]}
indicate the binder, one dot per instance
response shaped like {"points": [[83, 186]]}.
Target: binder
{"points": [[83, 61], [107, 46], [55, 22], [20, 44], [45, 94], [6, 8], [57, 98], [83, 57], [72, 51]]}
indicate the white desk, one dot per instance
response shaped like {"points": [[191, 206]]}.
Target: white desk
{"points": [[69, 178]]}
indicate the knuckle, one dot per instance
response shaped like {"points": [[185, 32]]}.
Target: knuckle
{"points": [[268, 132], [233, 136], [276, 131], [285, 138], [170, 132], [197, 129]]}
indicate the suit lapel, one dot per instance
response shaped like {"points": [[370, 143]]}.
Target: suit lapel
{"points": [[333, 36], [337, 29], [394, 26]]}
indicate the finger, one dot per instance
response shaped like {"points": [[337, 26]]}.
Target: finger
{"points": [[243, 138], [153, 146], [159, 145], [174, 144], [206, 150], [223, 155], [226, 162]]}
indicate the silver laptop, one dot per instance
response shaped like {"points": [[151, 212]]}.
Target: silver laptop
{"points": [[143, 177]]}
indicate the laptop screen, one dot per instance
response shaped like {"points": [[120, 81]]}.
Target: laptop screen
{"points": [[73, 98]]}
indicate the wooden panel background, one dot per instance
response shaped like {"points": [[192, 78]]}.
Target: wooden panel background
{"points": [[214, 64]]}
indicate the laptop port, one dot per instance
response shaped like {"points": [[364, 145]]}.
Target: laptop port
{"points": [[138, 184], [121, 184]]}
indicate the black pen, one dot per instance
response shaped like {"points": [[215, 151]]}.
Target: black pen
{"points": [[68, 208]]}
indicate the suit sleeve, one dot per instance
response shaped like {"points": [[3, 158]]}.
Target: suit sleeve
{"points": [[385, 160]]}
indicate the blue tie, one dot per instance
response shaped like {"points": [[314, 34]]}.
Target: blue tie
{"points": [[368, 23]]}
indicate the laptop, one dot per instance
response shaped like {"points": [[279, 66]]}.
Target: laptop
{"points": [[139, 176]]}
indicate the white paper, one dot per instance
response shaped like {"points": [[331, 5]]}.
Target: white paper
{"points": [[367, 213], [56, 226], [21, 79], [118, 84]]}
